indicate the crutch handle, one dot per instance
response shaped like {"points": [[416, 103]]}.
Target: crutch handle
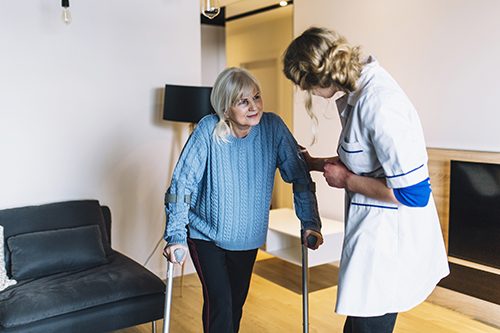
{"points": [[179, 254], [311, 240]]}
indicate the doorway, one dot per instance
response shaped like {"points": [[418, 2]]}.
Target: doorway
{"points": [[257, 43]]}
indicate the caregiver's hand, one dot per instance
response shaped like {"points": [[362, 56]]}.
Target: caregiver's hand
{"points": [[336, 174]]}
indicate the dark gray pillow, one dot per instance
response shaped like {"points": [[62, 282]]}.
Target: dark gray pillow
{"points": [[44, 253]]}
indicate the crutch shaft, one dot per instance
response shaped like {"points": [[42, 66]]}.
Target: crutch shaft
{"points": [[179, 257], [305, 291], [168, 298], [310, 241]]}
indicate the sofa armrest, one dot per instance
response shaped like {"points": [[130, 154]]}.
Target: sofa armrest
{"points": [[106, 212]]}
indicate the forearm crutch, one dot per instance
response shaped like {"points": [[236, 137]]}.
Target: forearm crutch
{"points": [[179, 255], [311, 241]]}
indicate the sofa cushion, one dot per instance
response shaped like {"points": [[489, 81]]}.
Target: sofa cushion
{"points": [[42, 253], [4, 279], [118, 280], [53, 216]]}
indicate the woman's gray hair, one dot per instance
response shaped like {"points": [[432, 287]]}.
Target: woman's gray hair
{"points": [[231, 85]]}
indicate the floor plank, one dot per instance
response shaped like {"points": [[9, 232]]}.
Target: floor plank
{"points": [[274, 305]]}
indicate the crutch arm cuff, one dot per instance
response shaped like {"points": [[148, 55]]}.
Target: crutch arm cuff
{"points": [[173, 198], [310, 187]]}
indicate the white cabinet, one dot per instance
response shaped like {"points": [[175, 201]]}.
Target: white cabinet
{"points": [[283, 239]]}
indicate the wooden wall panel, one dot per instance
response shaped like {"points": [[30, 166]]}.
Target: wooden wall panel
{"points": [[439, 170]]}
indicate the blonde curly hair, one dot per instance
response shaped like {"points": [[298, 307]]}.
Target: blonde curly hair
{"points": [[320, 57]]}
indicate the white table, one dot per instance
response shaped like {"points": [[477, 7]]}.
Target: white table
{"points": [[283, 239]]}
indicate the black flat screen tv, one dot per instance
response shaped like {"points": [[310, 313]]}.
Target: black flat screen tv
{"points": [[474, 226]]}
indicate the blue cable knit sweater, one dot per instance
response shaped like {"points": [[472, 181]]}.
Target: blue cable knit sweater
{"points": [[231, 185]]}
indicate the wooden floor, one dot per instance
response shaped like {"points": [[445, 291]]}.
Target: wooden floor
{"points": [[274, 304]]}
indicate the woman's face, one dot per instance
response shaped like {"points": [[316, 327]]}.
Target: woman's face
{"points": [[246, 113], [325, 92]]}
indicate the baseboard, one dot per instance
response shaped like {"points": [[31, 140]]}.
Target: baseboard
{"points": [[473, 282], [483, 311]]}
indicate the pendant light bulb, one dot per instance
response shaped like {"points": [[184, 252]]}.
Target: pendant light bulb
{"points": [[210, 8], [66, 14]]}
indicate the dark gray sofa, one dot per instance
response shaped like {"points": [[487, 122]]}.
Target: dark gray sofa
{"points": [[69, 279]]}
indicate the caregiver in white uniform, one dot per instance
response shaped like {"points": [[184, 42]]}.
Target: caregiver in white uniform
{"points": [[393, 253]]}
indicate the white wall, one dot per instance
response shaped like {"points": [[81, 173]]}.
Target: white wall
{"points": [[80, 107], [443, 53]]}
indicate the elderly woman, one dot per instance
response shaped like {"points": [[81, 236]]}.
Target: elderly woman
{"points": [[219, 198]]}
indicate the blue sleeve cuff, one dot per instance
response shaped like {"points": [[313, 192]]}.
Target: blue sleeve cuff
{"points": [[416, 195]]}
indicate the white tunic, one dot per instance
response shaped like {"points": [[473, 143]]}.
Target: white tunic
{"points": [[393, 255]]}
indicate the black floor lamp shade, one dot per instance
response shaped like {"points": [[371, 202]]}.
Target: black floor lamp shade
{"points": [[186, 103]]}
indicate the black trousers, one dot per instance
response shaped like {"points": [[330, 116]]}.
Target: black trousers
{"points": [[225, 278], [380, 324]]}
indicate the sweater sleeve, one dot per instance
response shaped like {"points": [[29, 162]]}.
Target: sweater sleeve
{"points": [[187, 175], [293, 169]]}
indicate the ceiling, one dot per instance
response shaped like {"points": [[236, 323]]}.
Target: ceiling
{"points": [[235, 7]]}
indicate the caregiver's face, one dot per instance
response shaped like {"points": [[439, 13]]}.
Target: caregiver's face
{"points": [[325, 92]]}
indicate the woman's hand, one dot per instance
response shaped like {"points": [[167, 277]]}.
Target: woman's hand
{"points": [[316, 163], [169, 253], [307, 157], [319, 238]]}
